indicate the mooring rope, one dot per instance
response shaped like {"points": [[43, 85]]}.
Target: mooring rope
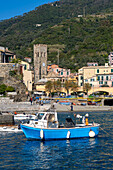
{"points": [[105, 131]]}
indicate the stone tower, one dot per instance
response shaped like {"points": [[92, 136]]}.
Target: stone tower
{"points": [[40, 61]]}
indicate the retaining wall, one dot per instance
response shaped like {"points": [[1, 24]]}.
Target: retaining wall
{"points": [[7, 119]]}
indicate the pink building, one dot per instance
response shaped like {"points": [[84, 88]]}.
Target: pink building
{"points": [[28, 59], [60, 71]]}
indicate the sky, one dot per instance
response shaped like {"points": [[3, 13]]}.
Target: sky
{"points": [[11, 8]]}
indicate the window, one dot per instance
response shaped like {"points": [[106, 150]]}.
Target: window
{"points": [[81, 77], [92, 80], [105, 82], [98, 78], [106, 77], [61, 73], [38, 54], [86, 80], [100, 82], [111, 70], [44, 54], [81, 84], [102, 78], [67, 73], [25, 67], [57, 70], [97, 70], [41, 54]]}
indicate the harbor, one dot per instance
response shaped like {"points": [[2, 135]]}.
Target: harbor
{"points": [[94, 153]]}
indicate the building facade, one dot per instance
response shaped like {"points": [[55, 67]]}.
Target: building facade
{"points": [[40, 61], [61, 72], [92, 64], [6, 56], [96, 76]]}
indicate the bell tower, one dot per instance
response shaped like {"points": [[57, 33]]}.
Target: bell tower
{"points": [[40, 61]]}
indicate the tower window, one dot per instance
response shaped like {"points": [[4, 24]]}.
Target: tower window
{"points": [[38, 54], [41, 54], [44, 54]]}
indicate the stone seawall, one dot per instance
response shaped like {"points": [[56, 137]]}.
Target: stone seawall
{"points": [[6, 119]]}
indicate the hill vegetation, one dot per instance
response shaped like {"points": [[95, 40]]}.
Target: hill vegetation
{"points": [[78, 40]]}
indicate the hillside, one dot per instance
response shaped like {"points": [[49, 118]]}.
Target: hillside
{"points": [[85, 40], [78, 37]]}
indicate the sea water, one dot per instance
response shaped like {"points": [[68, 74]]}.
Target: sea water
{"points": [[16, 152]]}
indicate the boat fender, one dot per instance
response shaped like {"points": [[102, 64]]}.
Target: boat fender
{"points": [[41, 134], [68, 134], [91, 134]]}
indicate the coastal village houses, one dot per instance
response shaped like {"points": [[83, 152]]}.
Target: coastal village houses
{"points": [[44, 72], [99, 77]]}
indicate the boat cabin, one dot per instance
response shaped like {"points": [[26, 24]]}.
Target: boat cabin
{"points": [[50, 120], [47, 120]]}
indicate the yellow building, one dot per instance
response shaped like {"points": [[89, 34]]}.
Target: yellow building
{"points": [[27, 75], [96, 76]]}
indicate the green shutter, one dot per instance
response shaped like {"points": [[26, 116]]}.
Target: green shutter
{"points": [[97, 70]]}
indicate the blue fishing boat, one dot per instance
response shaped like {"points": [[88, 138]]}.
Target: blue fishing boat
{"points": [[47, 127]]}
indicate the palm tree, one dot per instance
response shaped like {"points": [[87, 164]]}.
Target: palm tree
{"points": [[86, 87], [49, 86]]}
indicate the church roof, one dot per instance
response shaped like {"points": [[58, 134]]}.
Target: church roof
{"points": [[52, 74]]}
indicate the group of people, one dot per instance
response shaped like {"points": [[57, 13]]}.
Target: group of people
{"points": [[40, 102]]}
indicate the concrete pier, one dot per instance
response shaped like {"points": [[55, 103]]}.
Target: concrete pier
{"points": [[26, 107]]}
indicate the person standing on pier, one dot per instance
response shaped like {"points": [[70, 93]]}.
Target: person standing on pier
{"points": [[31, 100]]}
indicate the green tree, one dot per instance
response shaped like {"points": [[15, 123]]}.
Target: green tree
{"points": [[49, 86], [3, 88], [86, 87], [74, 87], [58, 87], [67, 86], [10, 89]]}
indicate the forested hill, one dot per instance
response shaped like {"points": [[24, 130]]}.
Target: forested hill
{"points": [[19, 33]]}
